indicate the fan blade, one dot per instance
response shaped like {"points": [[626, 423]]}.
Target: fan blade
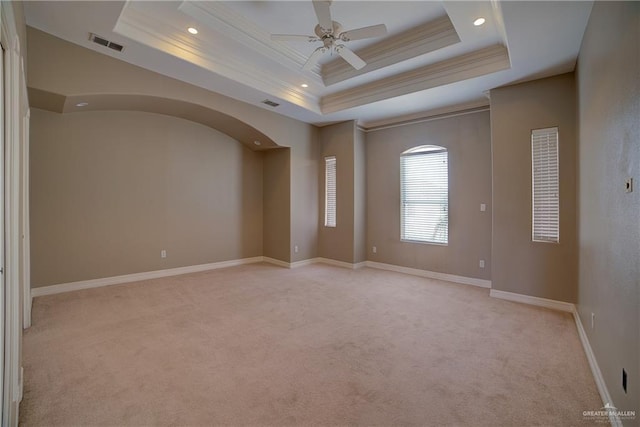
{"points": [[293, 38], [348, 55], [324, 15], [364, 33], [314, 58]]}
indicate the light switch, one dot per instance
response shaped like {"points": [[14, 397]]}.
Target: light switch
{"points": [[483, 207]]}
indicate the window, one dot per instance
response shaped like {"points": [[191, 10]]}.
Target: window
{"points": [[329, 191], [545, 185], [424, 194]]}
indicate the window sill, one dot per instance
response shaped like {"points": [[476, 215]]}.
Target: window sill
{"points": [[421, 242]]}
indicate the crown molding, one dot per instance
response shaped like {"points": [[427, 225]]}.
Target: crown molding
{"points": [[427, 116], [166, 37], [478, 63], [160, 33], [498, 19], [216, 15], [417, 41]]}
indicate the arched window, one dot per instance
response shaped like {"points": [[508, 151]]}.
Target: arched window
{"points": [[424, 194]]}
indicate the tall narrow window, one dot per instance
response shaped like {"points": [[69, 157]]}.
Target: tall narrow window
{"points": [[545, 185], [424, 194], [330, 191]]}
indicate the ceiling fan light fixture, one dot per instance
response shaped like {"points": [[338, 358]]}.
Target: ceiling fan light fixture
{"points": [[192, 30], [330, 34], [479, 22]]}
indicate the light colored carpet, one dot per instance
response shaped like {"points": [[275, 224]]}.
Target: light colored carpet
{"points": [[317, 345]]}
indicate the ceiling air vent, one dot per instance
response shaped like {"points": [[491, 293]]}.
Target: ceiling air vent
{"points": [[104, 42], [270, 103]]}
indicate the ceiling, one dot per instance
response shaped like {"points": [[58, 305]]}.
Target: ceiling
{"points": [[432, 59]]}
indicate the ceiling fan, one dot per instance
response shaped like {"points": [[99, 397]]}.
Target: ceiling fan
{"points": [[330, 33]]}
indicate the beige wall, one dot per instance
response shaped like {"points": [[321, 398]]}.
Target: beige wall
{"points": [[110, 190], [304, 194], [346, 242], [520, 265], [468, 140], [608, 80], [338, 242], [359, 197], [60, 67], [277, 209]]}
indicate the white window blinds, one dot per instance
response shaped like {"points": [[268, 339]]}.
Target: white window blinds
{"points": [[424, 193], [545, 185], [330, 191]]}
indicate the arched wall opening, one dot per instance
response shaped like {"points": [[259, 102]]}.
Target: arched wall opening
{"points": [[229, 125]]}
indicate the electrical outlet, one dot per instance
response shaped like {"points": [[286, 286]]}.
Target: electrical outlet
{"points": [[628, 185], [295, 249], [624, 380], [481, 263], [374, 250], [163, 254], [593, 320]]}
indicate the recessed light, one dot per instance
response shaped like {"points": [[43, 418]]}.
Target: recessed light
{"points": [[479, 22], [192, 30], [304, 85], [257, 142], [82, 104]]}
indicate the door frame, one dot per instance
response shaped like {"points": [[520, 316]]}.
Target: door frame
{"points": [[26, 231], [11, 307], [3, 132]]}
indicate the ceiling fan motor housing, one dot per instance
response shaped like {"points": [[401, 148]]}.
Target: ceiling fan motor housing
{"points": [[335, 31]]}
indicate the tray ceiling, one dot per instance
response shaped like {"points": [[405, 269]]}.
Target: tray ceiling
{"points": [[432, 58]]}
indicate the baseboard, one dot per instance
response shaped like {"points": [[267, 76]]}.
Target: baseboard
{"points": [[569, 308], [343, 264], [304, 262], [595, 369], [318, 260], [136, 277], [430, 274], [277, 262], [537, 301]]}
